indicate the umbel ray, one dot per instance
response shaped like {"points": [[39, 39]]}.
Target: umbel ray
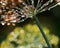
{"points": [[16, 11]]}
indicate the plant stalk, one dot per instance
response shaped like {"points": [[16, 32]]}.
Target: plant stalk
{"points": [[42, 32]]}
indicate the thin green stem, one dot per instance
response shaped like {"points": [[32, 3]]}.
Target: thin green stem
{"points": [[40, 27]]}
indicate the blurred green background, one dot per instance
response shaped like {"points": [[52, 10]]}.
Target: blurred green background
{"points": [[27, 34]]}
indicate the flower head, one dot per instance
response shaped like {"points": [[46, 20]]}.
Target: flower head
{"points": [[15, 11]]}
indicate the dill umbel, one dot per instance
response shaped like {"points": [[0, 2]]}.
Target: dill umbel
{"points": [[16, 11]]}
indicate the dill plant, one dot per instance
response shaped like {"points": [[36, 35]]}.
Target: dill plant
{"points": [[16, 11]]}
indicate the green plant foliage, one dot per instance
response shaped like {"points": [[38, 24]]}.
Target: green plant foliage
{"points": [[28, 36]]}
